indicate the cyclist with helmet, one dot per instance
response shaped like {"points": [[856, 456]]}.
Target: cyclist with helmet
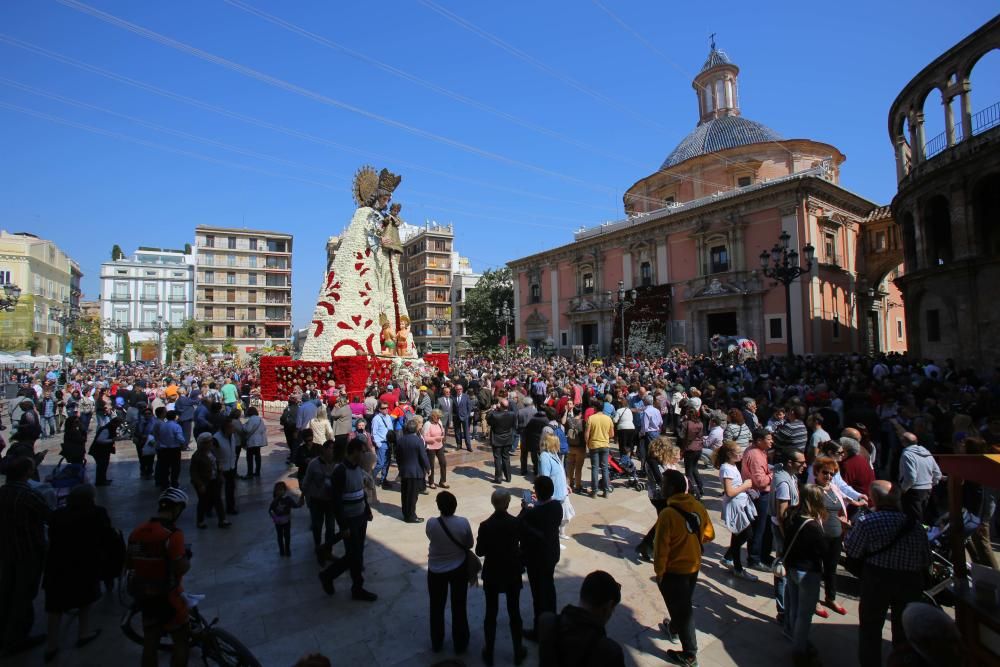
{"points": [[157, 561]]}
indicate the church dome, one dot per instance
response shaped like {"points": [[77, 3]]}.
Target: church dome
{"points": [[719, 134]]}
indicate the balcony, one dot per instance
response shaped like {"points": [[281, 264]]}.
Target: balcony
{"points": [[177, 298], [121, 297], [150, 298]]}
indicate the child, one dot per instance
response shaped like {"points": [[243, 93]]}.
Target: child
{"points": [[776, 420], [281, 515]]}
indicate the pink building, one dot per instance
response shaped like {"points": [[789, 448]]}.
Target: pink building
{"points": [[691, 241]]}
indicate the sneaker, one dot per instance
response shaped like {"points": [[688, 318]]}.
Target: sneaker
{"points": [[726, 563], [746, 576], [682, 658], [760, 567]]}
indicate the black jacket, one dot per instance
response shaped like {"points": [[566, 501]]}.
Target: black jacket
{"points": [[540, 533], [575, 637], [532, 435], [411, 457], [499, 544], [502, 424]]}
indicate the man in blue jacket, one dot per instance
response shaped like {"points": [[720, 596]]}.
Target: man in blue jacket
{"points": [[463, 413], [169, 441], [185, 407]]}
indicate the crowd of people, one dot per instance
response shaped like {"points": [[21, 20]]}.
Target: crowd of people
{"points": [[821, 462]]}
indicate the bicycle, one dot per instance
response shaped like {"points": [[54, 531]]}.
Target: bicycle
{"points": [[217, 646]]}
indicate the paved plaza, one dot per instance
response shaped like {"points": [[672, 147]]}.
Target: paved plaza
{"points": [[276, 606]]}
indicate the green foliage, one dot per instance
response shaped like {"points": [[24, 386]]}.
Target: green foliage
{"points": [[187, 248], [126, 348], [228, 346], [33, 344], [493, 290], [88, 340], [116, 253], [189, 333]]}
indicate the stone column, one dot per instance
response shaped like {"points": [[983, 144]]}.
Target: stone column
{"points": [[662, 269], [627, 269], [966, 109], [949, 120], [554, 291]]}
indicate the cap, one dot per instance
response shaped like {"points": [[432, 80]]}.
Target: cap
{"points": [[423, 388]]}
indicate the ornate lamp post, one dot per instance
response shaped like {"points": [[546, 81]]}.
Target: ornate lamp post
{"points": [[782, 265], [505, 317], [119, 329], [11, 294], [161, 326], [65, 317], [440, 324], [621, 305]]}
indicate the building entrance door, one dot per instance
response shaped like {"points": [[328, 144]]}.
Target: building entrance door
{"points": [[588, 336], [723, 324]]}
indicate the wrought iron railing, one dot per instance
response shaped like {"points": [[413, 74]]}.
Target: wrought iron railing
{"points": [[982, 120]]}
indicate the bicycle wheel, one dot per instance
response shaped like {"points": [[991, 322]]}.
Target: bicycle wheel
{"points": [[219, 647], [128, 628]]}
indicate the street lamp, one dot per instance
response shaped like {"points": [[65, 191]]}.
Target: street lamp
{"points": [[161, 326], [621, 305], [119, 328], [65, 317], [782, 265], [440, 324], [505, 317], [11, 294]]}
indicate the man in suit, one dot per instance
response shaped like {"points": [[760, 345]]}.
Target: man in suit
{"points": [[539, 526], [498, 543], [501, 421], [531, 441], [411, 458], [463, 415], [446, 404]]}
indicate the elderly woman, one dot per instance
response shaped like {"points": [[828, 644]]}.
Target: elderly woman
{"points": [[341, 416], [78, 536], [450, 538], [254, 438], [433, 433]]}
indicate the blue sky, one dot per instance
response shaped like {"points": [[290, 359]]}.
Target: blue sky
{"points": [[518, 122]]}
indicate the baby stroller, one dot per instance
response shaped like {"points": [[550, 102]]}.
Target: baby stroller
{"points": [[623, 467], [65, 477], [942, 571]]}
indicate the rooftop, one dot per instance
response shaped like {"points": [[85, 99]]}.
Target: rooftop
{"points": [[720, 134]]}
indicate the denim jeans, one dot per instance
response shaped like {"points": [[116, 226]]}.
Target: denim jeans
{"points": [[760, 544], [381, 470], [779, 582], [801, 596], [599, 459], [48, 426]]}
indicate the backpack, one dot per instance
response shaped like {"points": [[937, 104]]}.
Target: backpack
{"points": [[563, 440], [693, 522], [147, 591]]}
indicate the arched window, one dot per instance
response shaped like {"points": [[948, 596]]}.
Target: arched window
{"points": [[937, 228], [645, 274]]}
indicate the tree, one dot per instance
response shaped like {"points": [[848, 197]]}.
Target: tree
{"points": [[116, 253], [188, 333], [229, 346], [126, 349], [494, 289], [87, 337], [187, 248]]}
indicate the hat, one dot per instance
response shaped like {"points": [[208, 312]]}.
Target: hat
{"points": [[388, 386], [423, 388], [204, 437]]}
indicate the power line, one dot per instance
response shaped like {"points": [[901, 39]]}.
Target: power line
{"points": [[429, 85], [538, 64]]}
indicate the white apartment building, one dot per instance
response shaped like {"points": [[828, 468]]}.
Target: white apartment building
{"points": [[145, 294], [462, 280]]}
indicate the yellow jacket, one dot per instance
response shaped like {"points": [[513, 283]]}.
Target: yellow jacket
{"points": [[675, 549]]}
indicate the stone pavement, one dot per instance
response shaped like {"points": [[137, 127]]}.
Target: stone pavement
{"points": [[276, 606]]}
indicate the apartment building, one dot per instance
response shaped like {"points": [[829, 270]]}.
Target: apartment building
{"points": [[243, 286], [427, 273], [145, 295], [462, 280], [45, 274]]}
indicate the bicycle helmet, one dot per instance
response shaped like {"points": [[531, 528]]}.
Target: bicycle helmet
{"points": [[173, 496]]}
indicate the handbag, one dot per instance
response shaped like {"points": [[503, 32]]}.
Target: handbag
{"points": [[472, 564], [778, 567], [856, 564]]}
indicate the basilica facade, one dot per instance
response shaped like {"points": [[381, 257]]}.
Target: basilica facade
{"points": [[688, 251]]}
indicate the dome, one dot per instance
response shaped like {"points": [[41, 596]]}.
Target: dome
{"points": [[715, 59], [719, 134]]}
